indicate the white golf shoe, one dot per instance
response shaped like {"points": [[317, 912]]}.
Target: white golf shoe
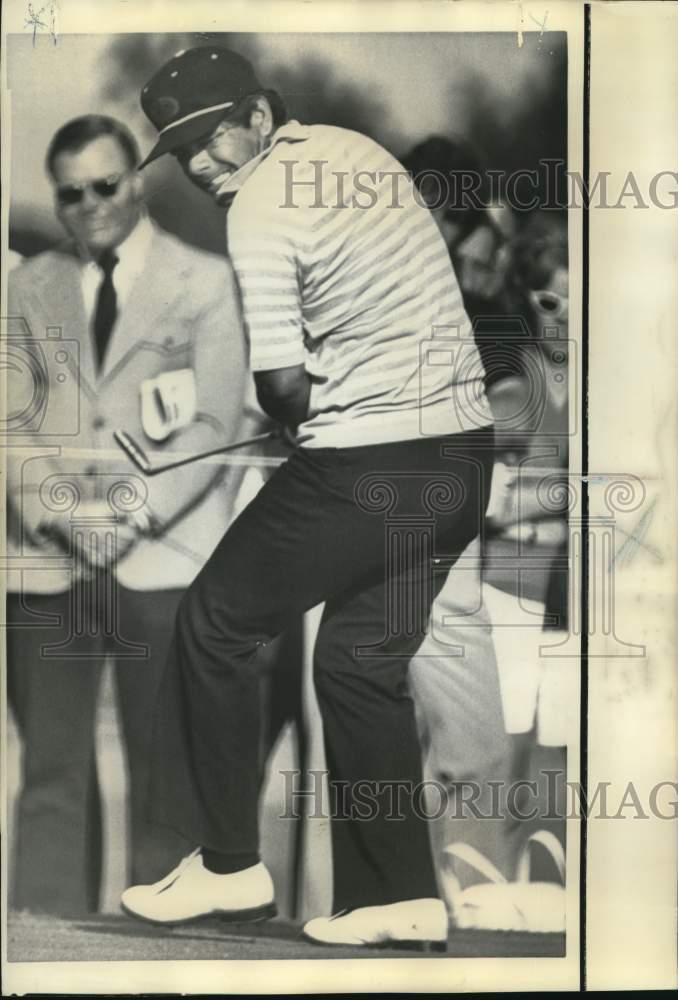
{"points": [[415, 923], [191, 892]]}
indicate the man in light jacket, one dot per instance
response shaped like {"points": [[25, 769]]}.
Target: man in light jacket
{"points": [[123, 326]]}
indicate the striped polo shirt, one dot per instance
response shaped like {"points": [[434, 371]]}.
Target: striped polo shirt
{"points": [[343, 271]]}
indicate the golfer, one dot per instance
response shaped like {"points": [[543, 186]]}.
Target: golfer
{"points": [[359, 344]]}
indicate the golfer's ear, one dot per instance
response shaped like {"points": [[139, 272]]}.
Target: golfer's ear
{"points": [[261, 117], [138, 185]]}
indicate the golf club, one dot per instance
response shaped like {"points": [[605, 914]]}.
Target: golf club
{"points": [[137, 454]]}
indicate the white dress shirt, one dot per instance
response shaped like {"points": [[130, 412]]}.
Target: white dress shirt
{"points": [[132, 254]]}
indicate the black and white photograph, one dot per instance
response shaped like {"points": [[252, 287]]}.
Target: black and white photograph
{"points": [[317, 569]]}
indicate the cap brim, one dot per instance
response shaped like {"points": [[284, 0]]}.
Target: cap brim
{"points": [[174, 138]]}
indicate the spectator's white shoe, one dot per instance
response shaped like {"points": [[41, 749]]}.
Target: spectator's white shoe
{"points": [[191, 892], [414, 923]]}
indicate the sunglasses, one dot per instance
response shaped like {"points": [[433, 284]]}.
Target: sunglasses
{"points": [[72, 194], [549, 303]]}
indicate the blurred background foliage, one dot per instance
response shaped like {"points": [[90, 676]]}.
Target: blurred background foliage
{"points": [[510, 101]]}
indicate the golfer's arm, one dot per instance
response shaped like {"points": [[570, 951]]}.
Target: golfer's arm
{"points": [[284, 394]]}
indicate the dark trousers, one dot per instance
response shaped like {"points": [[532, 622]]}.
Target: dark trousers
{"points": [[358, 528], [56, 649]]}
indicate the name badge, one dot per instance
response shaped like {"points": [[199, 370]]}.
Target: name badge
{"points": [[168, 402]]}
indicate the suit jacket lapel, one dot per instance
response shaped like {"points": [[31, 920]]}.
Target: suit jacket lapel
{"points": [[63, 293]]}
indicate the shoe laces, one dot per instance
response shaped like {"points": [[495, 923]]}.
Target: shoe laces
{"points": [[171, 878]]}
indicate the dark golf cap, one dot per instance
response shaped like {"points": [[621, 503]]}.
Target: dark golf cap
{"points": [[190, 95]]}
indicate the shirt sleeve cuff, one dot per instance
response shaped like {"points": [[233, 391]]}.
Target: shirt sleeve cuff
{"points": [[272, 362]]}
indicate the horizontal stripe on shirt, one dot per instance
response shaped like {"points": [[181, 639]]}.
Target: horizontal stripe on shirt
{"points": [[356, 294]]}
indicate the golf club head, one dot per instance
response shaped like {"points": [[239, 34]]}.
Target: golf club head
{"points": [[133, 451]]}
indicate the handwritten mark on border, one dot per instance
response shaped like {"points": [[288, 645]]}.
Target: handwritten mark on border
{"points": [[34, 19]]}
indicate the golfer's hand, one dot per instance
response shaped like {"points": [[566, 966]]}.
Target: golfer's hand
{"points": [[287, 435]]}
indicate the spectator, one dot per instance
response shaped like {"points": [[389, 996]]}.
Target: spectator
{"points": [[531, 408], [454, 676], [452, 181], [531, 412], [123, 322]]}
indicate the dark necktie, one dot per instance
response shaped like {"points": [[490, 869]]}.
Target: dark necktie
{"points": [[106, 305]]}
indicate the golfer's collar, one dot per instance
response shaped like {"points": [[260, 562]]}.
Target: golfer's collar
{"points": [[291, 131]]}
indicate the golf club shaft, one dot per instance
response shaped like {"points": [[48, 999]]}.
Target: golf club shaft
{"points": [[132, 450], [139, 458]]}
